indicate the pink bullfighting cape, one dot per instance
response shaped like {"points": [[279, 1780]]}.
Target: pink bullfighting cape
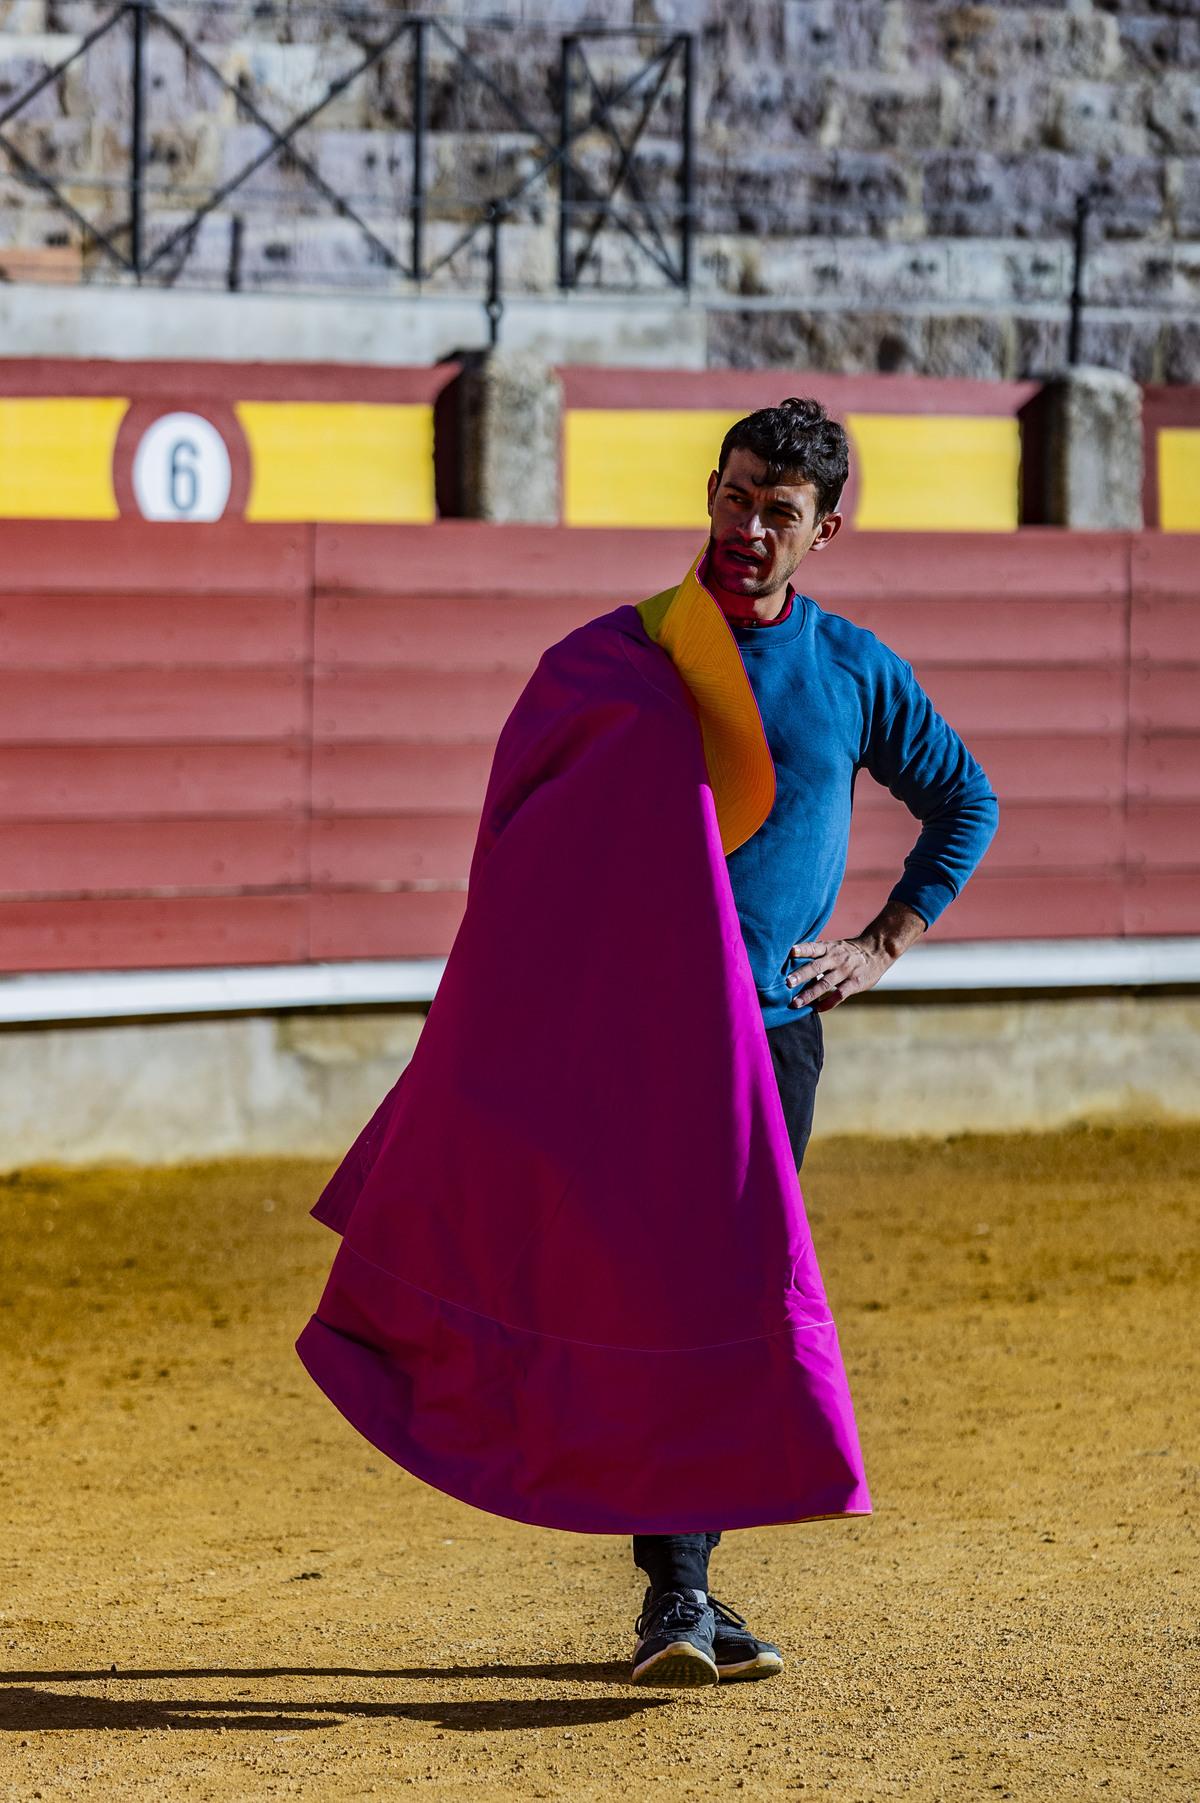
{"points": [[576, 1285]]}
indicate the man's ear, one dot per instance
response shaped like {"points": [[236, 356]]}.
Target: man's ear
{"points": [[714, 482], [828, 529]]}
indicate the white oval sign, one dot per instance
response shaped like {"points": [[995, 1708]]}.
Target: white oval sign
{"points": [[181, 469]]}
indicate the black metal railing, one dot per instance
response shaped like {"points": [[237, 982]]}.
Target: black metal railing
{"points": [[586, 154]]}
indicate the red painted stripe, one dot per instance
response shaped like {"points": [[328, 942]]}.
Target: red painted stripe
{"points": [[1165, 700], [437, 633], [1165, 834], [1165, 767], [411, 924], [373, 778], [1163, 901], [54, 857], [175, 384], [139, 933], [469, 557], [1021, 701], [367, 848], [982, 632], [433, 705], [131, 556], [57, 707], [1028, 838], [589, 385], [1166, 629], [1039, 563], [77, 782], [1036, 767], [63, 632], [1165, 563], [1054, 906]]}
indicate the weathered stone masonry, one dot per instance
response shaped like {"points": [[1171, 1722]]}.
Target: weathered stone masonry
{"points": [[881, 184]]}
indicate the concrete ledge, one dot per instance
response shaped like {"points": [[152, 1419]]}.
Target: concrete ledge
{"points": [[1015, 964], [151, 1092], [1002, 1067]]}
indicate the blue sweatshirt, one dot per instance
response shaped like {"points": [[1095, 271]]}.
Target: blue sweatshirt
{"points": [[835, 701]]}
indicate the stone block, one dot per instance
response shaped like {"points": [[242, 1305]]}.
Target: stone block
{"points": [[824, 34], [1132, 346], [987, 44], [510, 425], [1181, 183], [1093, 451], [839, 343], [1041, 350], [1092, 118], [1181, 350], [982, 347], [1155, 43], [1175, 113], [24, 59], [914, 111]]}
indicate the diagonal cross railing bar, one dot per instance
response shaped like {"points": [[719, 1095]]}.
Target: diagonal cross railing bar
{"points": [[281, 141], [626, 172], [52, 75], [640, 221], [34, 174], [556, 156]]}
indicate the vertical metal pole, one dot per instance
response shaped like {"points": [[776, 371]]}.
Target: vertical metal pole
{"points": [[494, 307], [687, 178], [137, 147], [234, 279], [1083, 206], [418, 152], [565, 185]]}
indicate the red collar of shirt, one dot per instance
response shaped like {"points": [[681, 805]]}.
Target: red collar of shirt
{"points": [[777, 621]]}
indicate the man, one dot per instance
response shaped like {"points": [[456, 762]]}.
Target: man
{"points": [[833, 700], [576, 1285]]}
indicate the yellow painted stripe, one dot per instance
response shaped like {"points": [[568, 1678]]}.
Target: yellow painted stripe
{"points": [[916, 473], [1179, 479], [629, 467], [339, 460], [56, 458], [935, 472]]}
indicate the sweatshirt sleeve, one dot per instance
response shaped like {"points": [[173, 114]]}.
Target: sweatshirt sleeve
{"points": [[922, 760]]}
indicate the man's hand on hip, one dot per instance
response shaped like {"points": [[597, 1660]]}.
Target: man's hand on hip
{"points": [[841, 968]]}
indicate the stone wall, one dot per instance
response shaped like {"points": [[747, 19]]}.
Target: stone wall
{"points": [[881, 184]]}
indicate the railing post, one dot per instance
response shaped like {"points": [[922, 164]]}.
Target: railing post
{"points": [[494, 306], [418, 153], [1083, 207], [137, 145], [687, 176], [565, 185]]}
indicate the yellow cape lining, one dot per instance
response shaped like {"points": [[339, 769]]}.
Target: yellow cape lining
{"points": [[695, 635]]}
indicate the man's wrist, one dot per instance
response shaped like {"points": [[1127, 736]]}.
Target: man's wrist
{"points": [[893, 930]]}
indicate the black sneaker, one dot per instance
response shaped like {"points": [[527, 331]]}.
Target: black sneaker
{"points": [[737, 1653], [675, 1641]]}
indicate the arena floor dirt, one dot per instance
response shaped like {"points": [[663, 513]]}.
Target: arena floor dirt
{"points": [[213, 1589]]}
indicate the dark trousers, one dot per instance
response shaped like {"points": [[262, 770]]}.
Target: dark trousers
{"points": [[680, 1561]]}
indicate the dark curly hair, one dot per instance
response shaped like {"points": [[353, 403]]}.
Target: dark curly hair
{"points": [[797, 439]]}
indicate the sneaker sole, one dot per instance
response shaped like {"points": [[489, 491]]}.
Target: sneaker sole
{"points": [[766, 1665], [680, 1666]]}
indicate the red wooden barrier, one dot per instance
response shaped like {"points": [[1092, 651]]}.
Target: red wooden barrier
{"points": [[252, 744]]}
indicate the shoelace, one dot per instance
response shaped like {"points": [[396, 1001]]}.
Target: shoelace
{"points": [[724, 1613], [670, 1611]]}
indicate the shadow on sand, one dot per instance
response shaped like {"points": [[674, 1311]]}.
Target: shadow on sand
{"points": [[25, 1705]]}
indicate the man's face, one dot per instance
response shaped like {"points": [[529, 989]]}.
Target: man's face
{"points": [[760, 530]]}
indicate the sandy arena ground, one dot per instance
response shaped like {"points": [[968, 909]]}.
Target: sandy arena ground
{"points": [[212, 1588]]}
